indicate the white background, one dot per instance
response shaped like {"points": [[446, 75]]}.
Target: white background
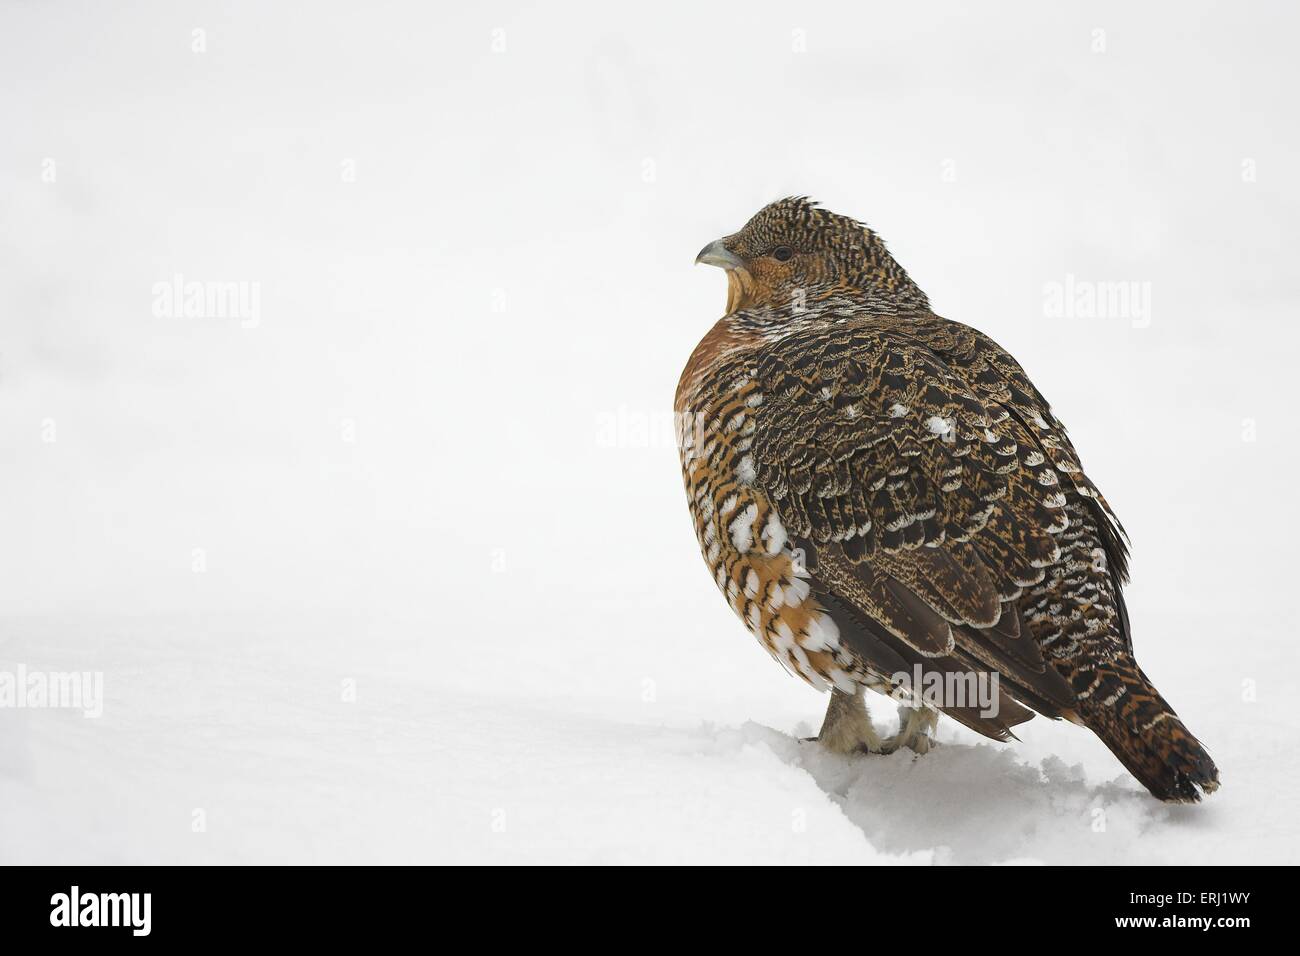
{"points": [[495, 311]]}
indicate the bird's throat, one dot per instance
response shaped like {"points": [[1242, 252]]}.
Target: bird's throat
{"points": [[740, 290]]}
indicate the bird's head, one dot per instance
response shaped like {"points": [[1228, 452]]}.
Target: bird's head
{"points": [[793, 252]]}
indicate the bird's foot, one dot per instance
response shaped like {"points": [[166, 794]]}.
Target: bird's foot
{"points": [[915, 730], [921, 744]]}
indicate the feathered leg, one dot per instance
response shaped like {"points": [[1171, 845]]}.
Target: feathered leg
{"points": [[847, 728]]}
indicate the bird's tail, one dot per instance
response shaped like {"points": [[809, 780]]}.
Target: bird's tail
{"points": [[1142, 730]]}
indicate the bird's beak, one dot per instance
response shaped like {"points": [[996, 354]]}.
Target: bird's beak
{"points": [[716, 254], [739, 282]]}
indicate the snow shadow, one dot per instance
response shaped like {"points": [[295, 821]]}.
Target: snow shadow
{"points": [[974, 804]]}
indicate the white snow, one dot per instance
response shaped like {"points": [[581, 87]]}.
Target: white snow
{"points": [[244, 719], [403, 571]]}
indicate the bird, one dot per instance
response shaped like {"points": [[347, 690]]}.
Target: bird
{"points": [[889, 504]]}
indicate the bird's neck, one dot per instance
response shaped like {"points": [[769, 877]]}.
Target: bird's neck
{"points": [[880, 290], [877, 277]]}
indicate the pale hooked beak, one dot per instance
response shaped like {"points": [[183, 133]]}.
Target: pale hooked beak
{"points": [[716, 254]]}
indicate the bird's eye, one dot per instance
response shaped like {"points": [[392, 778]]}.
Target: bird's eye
{"points": [[782, 253]]}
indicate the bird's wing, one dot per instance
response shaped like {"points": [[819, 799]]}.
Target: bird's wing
{"points": [[999, 381], [922, 504]]}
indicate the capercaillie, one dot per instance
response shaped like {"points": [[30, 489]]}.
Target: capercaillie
{"points": [[879, 491]]}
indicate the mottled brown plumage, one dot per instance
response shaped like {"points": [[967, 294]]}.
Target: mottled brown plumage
{"points": [[876, 489]]}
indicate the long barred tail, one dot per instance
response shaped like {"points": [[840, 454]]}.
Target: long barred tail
{"points": [[1077, 614], [1143, 731]]}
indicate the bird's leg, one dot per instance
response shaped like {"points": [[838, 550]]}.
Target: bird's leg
{"points": [[915, 729], [847, 728]]}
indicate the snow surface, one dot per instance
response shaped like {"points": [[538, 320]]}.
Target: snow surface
{"points": [[404, 573], [245, 721]]}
